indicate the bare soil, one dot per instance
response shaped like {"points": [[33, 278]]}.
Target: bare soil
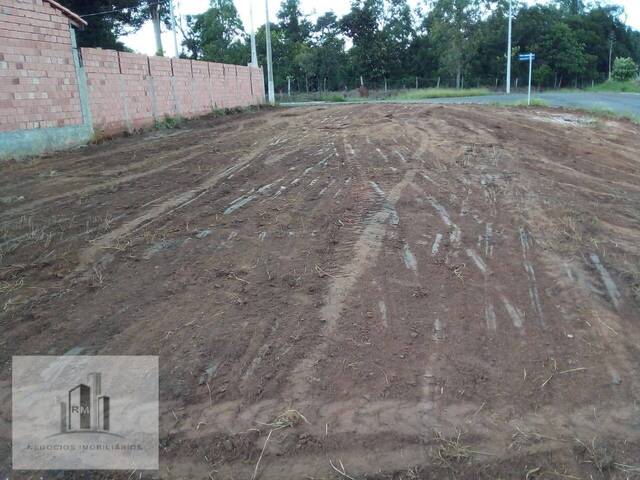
{"points": [[424, 291]]}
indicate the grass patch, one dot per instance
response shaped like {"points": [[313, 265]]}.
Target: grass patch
{"points": [[168, 123], [631, 86], [535, 102], [426, 93], [608, 114], [334, 97], [451, 451], [601, 113]]}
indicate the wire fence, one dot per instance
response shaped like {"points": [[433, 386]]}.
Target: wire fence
{"points": [[494, 83]]}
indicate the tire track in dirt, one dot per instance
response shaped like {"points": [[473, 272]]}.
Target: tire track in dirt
{"points": [[192, 152], [364, 254], [90, 254]]}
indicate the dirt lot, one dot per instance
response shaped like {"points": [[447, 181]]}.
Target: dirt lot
{"points": [[422, 291]]}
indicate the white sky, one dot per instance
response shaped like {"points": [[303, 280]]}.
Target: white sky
{"points": [[143, 40]]}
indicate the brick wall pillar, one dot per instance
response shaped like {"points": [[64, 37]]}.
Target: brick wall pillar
{"points": [[81, 79]]}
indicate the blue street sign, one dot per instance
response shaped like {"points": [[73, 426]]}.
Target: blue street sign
{"points": [[526, 57]]}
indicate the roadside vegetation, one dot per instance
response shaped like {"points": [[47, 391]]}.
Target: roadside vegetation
{"points": [[388, 43], [426, 93], [403, 94], [631, 86], [624, 78], [535, 102]]}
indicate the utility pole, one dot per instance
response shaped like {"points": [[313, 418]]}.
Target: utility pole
{"points": [[272, 94], [173, 27], [509, 52], [254, 54], [611, 41]]}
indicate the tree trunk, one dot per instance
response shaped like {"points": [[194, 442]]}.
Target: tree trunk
{"points": [[306, 79], [155, 19], [458, 75]]}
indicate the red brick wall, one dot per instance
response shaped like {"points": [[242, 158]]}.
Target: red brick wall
{"points": [[38, 82], [37, 75], [128, 91]]}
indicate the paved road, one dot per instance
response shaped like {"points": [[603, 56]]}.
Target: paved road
{"points": [[623, 103]]}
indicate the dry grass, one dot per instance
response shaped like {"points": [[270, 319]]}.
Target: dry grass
{"points": [[603, 458], [632, 273], [287, 419], [11, 285], [451, 451], [570, 231], [524, 437]]}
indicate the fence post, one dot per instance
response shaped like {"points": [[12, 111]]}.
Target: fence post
{"points": [[123, 94], [152, 92], [176, 106], [81, 79]]}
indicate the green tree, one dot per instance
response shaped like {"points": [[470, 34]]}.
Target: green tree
{"points": [[563, 52], [295, 27], [362, 25], [329, 48], [397, 34], [452, 23], [573, 7], [217, 35], [107, 20], [624, 69]]}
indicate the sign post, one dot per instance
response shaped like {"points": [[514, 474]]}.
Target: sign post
{"points": [[509, 51], [528, 57]]}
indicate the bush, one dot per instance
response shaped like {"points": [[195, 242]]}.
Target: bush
{"points": [[624, 69]]}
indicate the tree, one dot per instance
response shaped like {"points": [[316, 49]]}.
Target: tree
{"points": [[397, 35], [217, 35], [456, 39], [295, 27], [624, 69], [295, 30], [452, 23], [329, 49], [562, 51], [362, 25], [158, 12], [573, 7], [107, 20]]}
